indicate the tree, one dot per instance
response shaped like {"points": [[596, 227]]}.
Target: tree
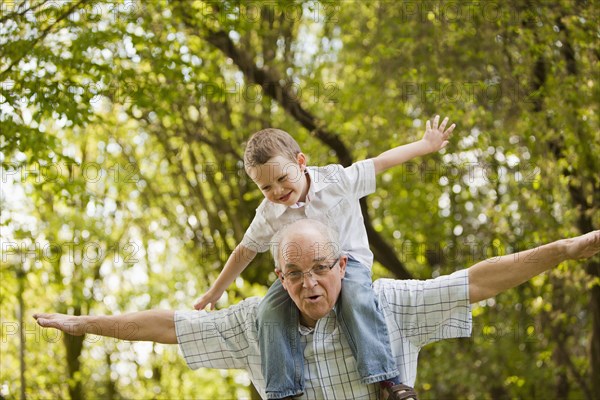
{"points": [[124, 124]]}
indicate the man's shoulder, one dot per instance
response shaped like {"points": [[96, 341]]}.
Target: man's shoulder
{"points": [[448, 279], [425, 311], [245, 310], [248, 306], [409, 290], [383, 285]]}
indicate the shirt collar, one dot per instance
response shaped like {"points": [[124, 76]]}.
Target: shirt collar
{"points": [[326, 325], [305, 330], [278, 209]]}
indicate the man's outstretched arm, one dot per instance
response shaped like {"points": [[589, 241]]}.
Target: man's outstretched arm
{"points": [[490, 277], [152, 325]]}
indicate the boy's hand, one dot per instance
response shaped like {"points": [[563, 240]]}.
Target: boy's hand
{"points": [[210, 297], [436, 137]]}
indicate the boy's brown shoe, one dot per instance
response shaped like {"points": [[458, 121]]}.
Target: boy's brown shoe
{"points": [[400, 392]]}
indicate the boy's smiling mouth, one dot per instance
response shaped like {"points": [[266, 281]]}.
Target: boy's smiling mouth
{"points": [[286, 197]]}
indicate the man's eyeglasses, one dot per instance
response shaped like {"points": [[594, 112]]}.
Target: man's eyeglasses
{"points": [[318, 270]]}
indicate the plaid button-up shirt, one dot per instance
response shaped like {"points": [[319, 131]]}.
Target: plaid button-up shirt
{"points": [[416, 313]]}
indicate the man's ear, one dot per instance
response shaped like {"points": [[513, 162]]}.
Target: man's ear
{"points": [[280, 277], [343, 261]]}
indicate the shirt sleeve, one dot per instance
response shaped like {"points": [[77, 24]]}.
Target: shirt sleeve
{"points": [[361, 178], [430, 310], [220, 339], [259, 234]]}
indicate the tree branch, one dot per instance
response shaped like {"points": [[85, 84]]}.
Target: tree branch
{"points": [[270, 81]]}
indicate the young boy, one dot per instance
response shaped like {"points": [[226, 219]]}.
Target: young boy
{"points": [[292, 191]]}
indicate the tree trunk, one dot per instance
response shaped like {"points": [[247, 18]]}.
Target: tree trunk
{"points": [[584, 224], [21, 280], [73, 346]]}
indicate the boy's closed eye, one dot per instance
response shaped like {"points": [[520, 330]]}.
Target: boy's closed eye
{"points": [[282, 178]]}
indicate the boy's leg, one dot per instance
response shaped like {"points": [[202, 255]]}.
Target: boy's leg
{"points": [[282, 358], [364, 325]]}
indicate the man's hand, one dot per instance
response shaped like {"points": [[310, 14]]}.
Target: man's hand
{"points": [[210, 297], [71, 324], [436, 137], [583, 246]]}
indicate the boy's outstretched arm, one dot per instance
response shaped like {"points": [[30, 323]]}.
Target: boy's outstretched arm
{"points": [[434, 139], [152, 325], [490, 277], [236, 263]]}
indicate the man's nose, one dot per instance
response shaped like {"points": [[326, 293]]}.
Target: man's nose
{"points": [[309, 281]]}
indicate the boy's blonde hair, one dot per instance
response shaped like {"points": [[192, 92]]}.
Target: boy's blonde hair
{"points": [[268, 143]]}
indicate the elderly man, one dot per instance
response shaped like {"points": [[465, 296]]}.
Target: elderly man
{"points": [[310, 267]]}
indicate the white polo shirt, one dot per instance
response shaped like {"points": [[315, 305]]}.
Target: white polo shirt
{"points": [[333, 197], [416, 313]]}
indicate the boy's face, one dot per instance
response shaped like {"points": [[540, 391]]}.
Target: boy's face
{"points": [[281, 180]]}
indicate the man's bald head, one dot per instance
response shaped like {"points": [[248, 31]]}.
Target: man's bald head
{"points": [[304, 235]]}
